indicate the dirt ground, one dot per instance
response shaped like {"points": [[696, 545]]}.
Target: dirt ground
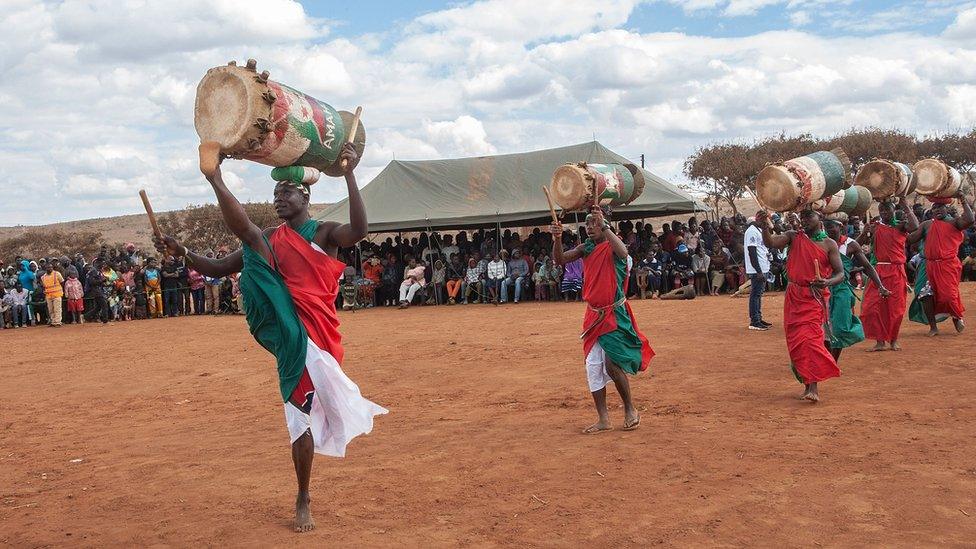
{"points": [[171, 433]]}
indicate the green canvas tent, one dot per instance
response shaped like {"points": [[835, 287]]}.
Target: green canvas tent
{"points": [[483, 191]]}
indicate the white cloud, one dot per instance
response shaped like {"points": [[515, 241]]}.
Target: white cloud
{"points": [[464, 136], [97, 96]]}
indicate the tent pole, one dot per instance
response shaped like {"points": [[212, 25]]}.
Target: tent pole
{"points": [[400, 247]]}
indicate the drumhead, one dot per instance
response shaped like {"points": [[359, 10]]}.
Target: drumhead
{"points": [[570, 187], [777, 189], [930, 176], [228, 102], [881, 177]]}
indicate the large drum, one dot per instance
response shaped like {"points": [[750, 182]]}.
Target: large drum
{"points": [[850, 202], [639, 181], [259, 119], [573, 185], [934, 178], [802, 181], [864, 198], [884, 178], [830, 204]]}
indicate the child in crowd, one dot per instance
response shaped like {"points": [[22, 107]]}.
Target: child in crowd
{"points": [[128, 305], [75, 294]]}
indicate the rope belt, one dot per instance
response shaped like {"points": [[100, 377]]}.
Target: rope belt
{"points": [[601, 314]]}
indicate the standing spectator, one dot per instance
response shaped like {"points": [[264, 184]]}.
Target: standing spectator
{"points": [[154, 295], [96, 288], [18, 299], [212, 293], [757, 265], [540, 278], [52, 282], [76, 296], [413, 280], [518, 270], [197, 283], [389, 281], [496, 276], [171, 284], [184, 286]]}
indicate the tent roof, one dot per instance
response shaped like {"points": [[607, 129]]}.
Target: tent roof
{"points": [[485, 190]]}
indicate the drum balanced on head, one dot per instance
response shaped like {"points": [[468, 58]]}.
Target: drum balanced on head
{"points": [[577, 186], [255, 118], [799, 182]]}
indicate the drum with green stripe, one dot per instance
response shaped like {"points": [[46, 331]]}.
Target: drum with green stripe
{"points": [[832, 169], [614, 182], [849, 205]]}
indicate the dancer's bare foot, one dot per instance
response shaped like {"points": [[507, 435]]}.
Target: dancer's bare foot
{"points": [[303, 515], [879, 346], [598, 427], [960, 324], [933, 332], [895, 346]]}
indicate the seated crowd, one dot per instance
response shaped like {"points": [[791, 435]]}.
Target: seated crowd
{"points": [[684, 260]]}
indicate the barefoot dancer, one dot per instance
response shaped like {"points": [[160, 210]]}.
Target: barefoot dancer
{"points": [[289, 280], [612, 344], [937, 281], [845, 327], [805, 305], [882, 316]]}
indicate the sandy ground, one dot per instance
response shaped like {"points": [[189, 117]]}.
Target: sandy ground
{"points": [[170, 433]]}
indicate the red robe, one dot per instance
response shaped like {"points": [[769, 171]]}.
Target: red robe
{"points": [[882, 317], [804, 313], [605, 278], [943, 267], [312, 278]]}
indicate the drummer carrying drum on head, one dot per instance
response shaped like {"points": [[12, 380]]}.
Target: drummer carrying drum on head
{"points": [[939, 273], [612, 343]]}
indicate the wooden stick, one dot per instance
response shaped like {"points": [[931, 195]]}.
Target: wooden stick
{"points": [[149, 212], [552, 208], [353, 130], [816, 268]]}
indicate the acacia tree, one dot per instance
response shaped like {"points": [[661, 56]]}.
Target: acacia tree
{"points": [[864, 145], [202, 227]]}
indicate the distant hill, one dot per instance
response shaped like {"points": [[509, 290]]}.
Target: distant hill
{"points": [[124, 228]]}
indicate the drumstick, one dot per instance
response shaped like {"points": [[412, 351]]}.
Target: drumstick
{"points": [[353, 129], [816, 268], [552, 209], [149, 212]]}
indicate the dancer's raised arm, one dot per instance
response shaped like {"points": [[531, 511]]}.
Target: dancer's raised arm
{"points": [[234, 215]]}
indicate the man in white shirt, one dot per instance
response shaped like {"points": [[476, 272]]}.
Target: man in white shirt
{"points": [[496, 276], [757, 265]]}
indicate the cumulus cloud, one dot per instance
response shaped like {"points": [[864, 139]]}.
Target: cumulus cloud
{"points": [[97, 101]]}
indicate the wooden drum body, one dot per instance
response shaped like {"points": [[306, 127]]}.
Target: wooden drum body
{"points": [[268, 122], [573, 185], [802, 181]]}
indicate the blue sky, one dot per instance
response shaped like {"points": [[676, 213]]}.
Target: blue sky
{"points": [[97, 101]]}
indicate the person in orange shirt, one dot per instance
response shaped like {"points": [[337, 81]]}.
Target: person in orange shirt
{"points": [[372, 272], [53, 292]]}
